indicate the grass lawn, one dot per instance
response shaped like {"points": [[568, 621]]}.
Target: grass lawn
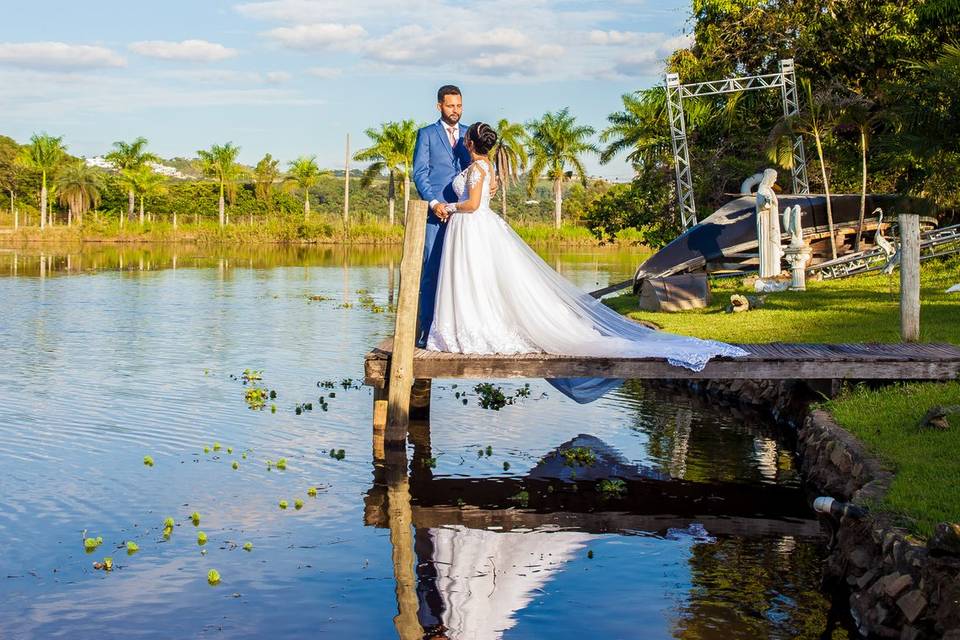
{"points": [[859, 309], [926, 488]]}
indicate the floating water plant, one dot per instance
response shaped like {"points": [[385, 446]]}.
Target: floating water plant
{"points": [[91, 543], [201, 538], [256, 398], [430, 463], [590, 554], [195, 517], [612, 488], [250, 375], [522, 498], [235, 465], [244, 455], [338, 454], [282, 464], [582, 456], [248, 546], [298, 504], [492, 397], [206, 449], [269, 465], [283, 504], [312, 492], [216, 446], [213, 576], [167, 532], [230, 450], [168, 523], [132, 547], [489, 451], [506, 466], [148, 461], [273, 408]]}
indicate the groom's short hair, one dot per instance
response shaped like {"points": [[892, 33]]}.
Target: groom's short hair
{"points": [[447, 90]]}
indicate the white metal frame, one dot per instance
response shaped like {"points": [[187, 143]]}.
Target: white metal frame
{"points": [[785, 80]]}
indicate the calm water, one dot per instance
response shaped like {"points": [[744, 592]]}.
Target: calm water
{"points": [[112, 355]]}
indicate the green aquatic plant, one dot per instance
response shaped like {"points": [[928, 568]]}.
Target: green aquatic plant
{"points": [[273, 408], [612, 488], [312, 492], [283, 504], [201, 538], [91, 543], [590, 554], [430, 463], [579, 456], [494, 398], [195, 518], [282, 464], [216, 446], [167, 532], [298, 504], [256, 398], [249, 375], [132, 547], [168, 523], [206, 449], [522, 498], [248, 546], [229, 450], [213, 576], [269, 464], [337, 454], [489, 451], [108, 564], [244, 455], [148, 461], [235, 465], [506, 466]]}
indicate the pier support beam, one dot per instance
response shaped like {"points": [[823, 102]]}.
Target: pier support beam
{"points": [[909, 277]]}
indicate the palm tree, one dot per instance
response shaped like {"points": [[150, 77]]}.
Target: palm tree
{"points": [[265, 175], [44, 154], [859, 113], [130, 156], [509, 157], [391, 151], [79, 187], [817, 120], [145, 183], [304, 173], [557, 142], [220, 163]]}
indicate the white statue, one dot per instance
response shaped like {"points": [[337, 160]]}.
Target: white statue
{"points": [[768, 226], [746, 187], [792, 222]]}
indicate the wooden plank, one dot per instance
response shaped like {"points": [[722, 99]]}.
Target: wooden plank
{"points": [[401, 361], [772, 361]]}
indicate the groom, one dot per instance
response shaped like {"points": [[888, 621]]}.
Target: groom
{"points": [[437, 159]]}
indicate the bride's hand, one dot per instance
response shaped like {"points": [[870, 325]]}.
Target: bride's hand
{"points": [[440, 210]]}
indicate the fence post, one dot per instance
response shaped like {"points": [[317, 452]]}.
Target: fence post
{"points": [[404, 335], [909, 277]]}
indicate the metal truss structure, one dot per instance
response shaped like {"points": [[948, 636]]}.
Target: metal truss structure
{"points": [[785, 80]]}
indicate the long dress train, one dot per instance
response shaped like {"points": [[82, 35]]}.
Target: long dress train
{"points": [[496, 295]]}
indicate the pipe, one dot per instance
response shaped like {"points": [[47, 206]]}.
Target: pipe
{"points": [[828, 506]]}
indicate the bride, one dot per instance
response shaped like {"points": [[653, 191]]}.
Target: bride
{"points": [[496, 295]]}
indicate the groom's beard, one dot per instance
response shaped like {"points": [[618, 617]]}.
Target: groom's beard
{"points": [[451, 122]]}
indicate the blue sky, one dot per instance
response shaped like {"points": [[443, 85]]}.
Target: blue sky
{"points": [[293, 77]]}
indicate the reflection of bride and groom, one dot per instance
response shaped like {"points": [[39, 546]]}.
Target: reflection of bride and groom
{"points": [[484, 291]]}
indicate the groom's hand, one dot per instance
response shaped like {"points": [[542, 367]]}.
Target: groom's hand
{"points": [[440, 211]]}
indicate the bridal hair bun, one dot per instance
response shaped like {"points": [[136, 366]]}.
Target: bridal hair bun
{"points": [[483, 137]]}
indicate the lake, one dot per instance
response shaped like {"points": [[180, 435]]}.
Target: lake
{"points": [[651, 513]]}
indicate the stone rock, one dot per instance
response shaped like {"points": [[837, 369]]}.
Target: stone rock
{"points": [[945, 539], [738, 303], [909, 633], [860, 558], [864, 581], [912, 604], [897, 584]]}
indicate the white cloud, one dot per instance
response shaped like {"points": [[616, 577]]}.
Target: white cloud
{"points": [[325, 72], [186, 50], [322, 35], [276, 77], [225, 76], [58, 56]]}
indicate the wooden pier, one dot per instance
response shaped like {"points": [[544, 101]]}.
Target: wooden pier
{"points": [[401, 374]]}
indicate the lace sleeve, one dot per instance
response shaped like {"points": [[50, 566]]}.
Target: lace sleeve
{"points": [[474, 176]]}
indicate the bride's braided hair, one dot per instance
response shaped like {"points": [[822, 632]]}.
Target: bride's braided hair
{"points": [[483, 137]]}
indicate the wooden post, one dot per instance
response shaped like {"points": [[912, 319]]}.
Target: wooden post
{"points": [[404, 335], [909, 277], [401, 540], [379, 421]]}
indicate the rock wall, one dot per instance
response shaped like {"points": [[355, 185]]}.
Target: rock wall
{"points": [[900, 587]]}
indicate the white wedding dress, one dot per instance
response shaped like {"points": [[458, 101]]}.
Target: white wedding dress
{"points": [[496, 295]]}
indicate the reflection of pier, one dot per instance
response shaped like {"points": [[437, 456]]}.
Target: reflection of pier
{"points": [[503, 538]]}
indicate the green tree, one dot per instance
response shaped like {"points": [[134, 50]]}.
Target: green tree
{"points": [[390, 151], [304, 173], [131, 156], [860, 113], [265, 175], [146, 183], [220, 163], [44, 154], [556, 146], [79, 189], [11, 174], [509, 157], [816, 120]]}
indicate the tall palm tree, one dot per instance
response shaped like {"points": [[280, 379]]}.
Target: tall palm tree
{"points": [[220, 163], [816, 120], [79, 187], [557, 142], [859, 112], [44, 154], [130, 156], [391, 151], [303, 174], [509, 157], [266, 173], [145, 183]]}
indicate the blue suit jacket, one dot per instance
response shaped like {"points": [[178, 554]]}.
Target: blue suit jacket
{"points": [[436, 164]]}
